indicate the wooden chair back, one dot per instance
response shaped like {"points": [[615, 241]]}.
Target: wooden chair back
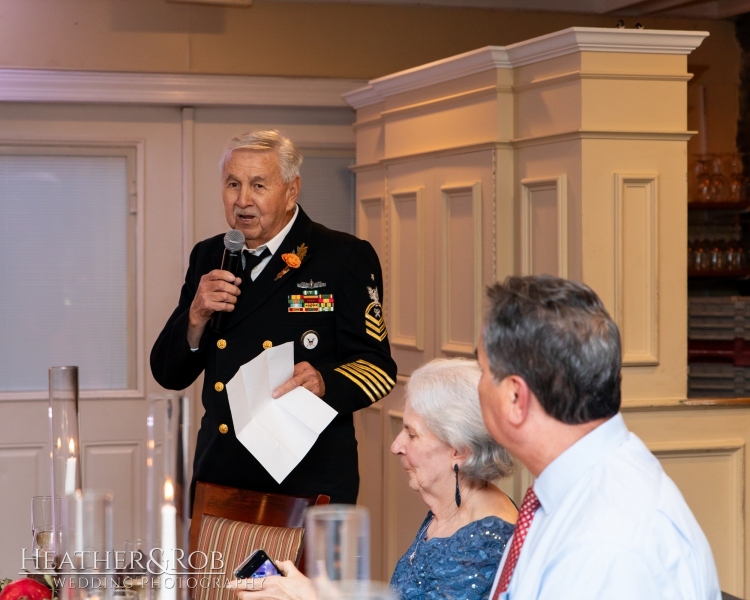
{"points": [[258, 508]]}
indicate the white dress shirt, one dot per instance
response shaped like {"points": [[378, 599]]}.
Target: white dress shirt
{"points": [[272, 245], [612, 525]]}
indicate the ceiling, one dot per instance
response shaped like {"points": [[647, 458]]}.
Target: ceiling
{"points": [[701, 9]]}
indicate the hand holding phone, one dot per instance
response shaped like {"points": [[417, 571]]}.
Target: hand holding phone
{"points": [[258, 564]]}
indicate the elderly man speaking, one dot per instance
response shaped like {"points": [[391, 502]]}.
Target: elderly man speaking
{"points": [[301, 283], [602, 519]]}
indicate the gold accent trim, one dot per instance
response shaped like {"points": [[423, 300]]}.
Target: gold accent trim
{"points": [[378, 369], [379, 327], [364, 378], [380, 338], [369, 376], [388, 385], [364, 389]]}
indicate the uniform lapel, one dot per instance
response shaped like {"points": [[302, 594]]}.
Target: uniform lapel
{"points": [[255, 295]]}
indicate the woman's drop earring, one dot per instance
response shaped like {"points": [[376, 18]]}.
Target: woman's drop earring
{"points": [[458, 492]]}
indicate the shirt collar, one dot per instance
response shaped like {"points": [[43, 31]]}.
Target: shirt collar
{"points": [[552, 484], [276, 241]]}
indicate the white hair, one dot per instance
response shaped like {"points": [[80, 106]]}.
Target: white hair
{"points": [[444, 393], [289, 155]]}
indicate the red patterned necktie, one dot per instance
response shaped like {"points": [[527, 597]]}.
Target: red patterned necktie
{"points": [[528, 507]]}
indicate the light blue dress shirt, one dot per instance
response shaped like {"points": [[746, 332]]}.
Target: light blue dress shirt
{"points": [[612, 525]]}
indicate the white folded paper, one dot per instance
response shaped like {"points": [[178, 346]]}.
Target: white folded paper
{"points": [[278, 433]]}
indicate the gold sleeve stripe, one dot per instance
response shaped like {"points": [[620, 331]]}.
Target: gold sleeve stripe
{"points": [[369, 376], [374, 373], [364, 379], [376, 328], [378, 369], [364, 389], [379, 337]]}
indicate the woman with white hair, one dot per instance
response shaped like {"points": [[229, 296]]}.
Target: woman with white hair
{"points": [[451, 461]]}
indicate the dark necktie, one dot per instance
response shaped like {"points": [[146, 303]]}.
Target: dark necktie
{"points": [[252, 261], [529, 507]]}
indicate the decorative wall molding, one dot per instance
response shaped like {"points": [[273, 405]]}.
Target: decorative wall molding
{"points": [[396, 258], [604, 39], [732, 451], [461, 65], [448, 194], [600, 134], [553, 45], [444, 102], [604, 76], [39, 85], [529, 187], [454, 151], [640, 241]]}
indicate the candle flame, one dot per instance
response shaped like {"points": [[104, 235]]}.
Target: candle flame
{"points": [[72, 446], [168, 490]]}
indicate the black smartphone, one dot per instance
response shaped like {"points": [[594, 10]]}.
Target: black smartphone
{"points": [[256, 565]]}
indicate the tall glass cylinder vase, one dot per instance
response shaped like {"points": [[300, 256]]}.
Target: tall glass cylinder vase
{"points": [[167, 489], [65, 445]]}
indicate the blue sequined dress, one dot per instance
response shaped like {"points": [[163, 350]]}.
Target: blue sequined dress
{"points": [[461, 567]]}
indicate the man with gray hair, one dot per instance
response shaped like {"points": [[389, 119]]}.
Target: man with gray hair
{"points": [[602, 519], [298, 282]]}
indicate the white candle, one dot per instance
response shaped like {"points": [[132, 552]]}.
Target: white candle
{"points": [[167, 580], [70, 476], [70, 468]]}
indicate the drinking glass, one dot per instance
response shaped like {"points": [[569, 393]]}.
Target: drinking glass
{"points": [[736, 185], [702, 180], [337, 548], [718, 186], [42, 528]]}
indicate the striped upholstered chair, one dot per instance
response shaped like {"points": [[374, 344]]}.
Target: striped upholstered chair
{"points": [[236, 522]]}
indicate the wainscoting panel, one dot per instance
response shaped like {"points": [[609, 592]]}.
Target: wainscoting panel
{"points": [[116, 467], [718, 466], [636, 267], [371, 223], [461, 268], [544, 226], [24, 472], [407, 269], [371, 440]]}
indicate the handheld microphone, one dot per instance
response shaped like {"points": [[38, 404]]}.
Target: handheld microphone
{"points": [[234, 242]]}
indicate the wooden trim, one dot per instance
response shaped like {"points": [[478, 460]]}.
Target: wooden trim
{"points": [[581, 75], [648, 356], [415, 342], [172, 89], [447, 346], [601, 134], [558, 183]]}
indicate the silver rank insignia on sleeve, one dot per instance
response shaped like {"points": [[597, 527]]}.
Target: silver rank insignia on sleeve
{"points": [[374, 322]]}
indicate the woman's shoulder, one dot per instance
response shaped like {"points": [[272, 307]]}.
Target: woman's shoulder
{"points": [[487, 530]]}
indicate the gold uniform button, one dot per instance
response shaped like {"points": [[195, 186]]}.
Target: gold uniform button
{"points": [[221, 344], [267, 344], [223, 428], [218, 386]]}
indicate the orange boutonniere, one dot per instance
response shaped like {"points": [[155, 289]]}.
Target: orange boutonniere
{"points": [[293, 260]]}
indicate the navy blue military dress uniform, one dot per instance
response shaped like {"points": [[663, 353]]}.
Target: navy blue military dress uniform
{"points": [[329, 307]]}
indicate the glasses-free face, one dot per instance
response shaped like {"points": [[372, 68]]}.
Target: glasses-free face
{"points": [[256, 199], [427, 460]]}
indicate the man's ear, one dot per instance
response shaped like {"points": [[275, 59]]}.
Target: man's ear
{"points": [[520, 403], [292, 192]]}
